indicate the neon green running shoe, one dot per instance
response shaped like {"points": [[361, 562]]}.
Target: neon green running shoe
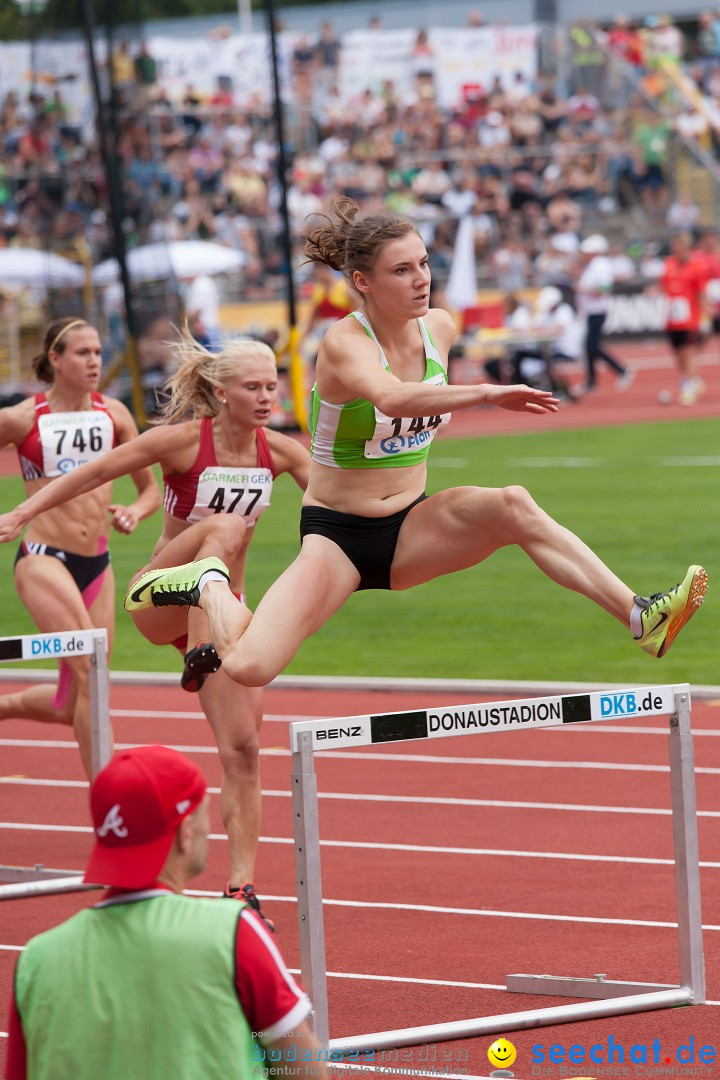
{"points": [[665, 614], [171, 586]]}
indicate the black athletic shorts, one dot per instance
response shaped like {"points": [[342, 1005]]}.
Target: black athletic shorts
{"points": [[679, 338], [368, 542], [84, 569]]}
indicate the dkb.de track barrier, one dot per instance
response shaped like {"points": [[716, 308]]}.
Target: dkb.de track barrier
{"points": [[611, 998], [23, 881]]}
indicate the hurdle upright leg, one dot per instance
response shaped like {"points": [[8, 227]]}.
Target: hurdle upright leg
{"points": [[308, 881], [687, 855], [100, 738], [609, 997], [38, 880]]}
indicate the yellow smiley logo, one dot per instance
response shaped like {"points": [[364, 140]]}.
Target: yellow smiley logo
{"points": [[502, 1053]]}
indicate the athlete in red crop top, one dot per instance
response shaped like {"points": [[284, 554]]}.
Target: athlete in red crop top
{"points": [[62, 570], [218, 471]]}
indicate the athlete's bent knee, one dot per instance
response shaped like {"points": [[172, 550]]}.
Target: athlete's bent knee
{"points": [[229, 532], [240, 759], [248, 672], [80, 668], [521, 512]]}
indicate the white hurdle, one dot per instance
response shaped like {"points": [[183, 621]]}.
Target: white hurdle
{"points": [[611, 997], [37, 880]]}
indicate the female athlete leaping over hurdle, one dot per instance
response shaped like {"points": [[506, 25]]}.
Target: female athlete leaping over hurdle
{"points": [[380, 395], [62, 568], [218, 470]]}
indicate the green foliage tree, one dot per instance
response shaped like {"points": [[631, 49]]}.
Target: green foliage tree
{"points": [[57, 15], [60, 15]]}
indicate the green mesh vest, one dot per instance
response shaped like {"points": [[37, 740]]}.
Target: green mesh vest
{"points": [[136, 991]]}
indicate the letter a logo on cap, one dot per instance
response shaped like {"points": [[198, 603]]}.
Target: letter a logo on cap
{"points": [[113, 823], [181, 807]]}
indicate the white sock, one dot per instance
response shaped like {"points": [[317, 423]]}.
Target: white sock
{"points": [[636, 628], [210, 575]]}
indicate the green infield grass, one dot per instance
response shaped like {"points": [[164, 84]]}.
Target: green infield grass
{"points": [[644, 497]]}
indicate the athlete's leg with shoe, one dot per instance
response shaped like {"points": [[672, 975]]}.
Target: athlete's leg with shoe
{"points": [[55, 603], [234, 712], [461, 527], [222, 535], [235, 715], [256, 648], [687, 358]]}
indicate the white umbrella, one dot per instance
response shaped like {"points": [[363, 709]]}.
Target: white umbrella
{"points": [[26, 266], [183, 258]]}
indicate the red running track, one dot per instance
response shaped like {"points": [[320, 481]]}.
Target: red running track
{"points": [[615, 778]]}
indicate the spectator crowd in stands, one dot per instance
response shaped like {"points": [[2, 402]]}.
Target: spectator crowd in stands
{"points": [[535, 167]]}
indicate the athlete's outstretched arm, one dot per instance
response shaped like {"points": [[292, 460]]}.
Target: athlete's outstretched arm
{"points": [[348, 362], [148, 449]]}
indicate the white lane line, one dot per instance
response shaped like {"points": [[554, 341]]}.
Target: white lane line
{"points": [[697, 461], [423, 759], [488, 913], [559, 462], [430, 800], [405, 979], [685, 462], [158, 714], [428, 849], [452, 983], [499, 763], [435, 909], [627, 729]]}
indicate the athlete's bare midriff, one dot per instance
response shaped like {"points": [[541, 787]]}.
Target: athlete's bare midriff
{"points": [[366, 492], [76, 525]]}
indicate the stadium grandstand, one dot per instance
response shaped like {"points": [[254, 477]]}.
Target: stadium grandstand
{"points": [[541, 133]]}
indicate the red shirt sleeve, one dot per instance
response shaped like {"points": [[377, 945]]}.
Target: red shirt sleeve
{"points": [[16, 1060], [271, 1000]]}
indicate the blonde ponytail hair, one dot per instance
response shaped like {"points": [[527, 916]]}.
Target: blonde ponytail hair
{"points": [[190, 391]]}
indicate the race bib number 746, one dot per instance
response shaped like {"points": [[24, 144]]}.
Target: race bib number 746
{"points": [[72, 439]]}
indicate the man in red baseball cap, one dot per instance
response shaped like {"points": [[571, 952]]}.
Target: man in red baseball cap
{"points": [[138, 802], [147, 982]]}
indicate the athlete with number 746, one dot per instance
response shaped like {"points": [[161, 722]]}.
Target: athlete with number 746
{"points": [[218, 468], [62, 571], [380, 395]]}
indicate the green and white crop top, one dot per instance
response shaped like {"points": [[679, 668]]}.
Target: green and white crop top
{"points": [[357, 435]]}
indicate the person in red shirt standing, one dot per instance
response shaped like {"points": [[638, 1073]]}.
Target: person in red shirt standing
{"points": [[708, 250], [683, 282]]}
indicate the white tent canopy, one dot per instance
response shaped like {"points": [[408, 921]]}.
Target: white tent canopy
{"points": [[42, 269], [181, 258]]}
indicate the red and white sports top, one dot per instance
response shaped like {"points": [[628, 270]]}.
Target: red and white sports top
{"points": [[208, 488], [683, 283], [60, 441]]}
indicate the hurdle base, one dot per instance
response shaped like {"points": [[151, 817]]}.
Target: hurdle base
{"points": [[20, 882], [38, 872], [518, 1021], [595, 987]]}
